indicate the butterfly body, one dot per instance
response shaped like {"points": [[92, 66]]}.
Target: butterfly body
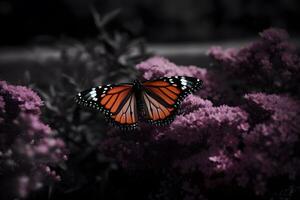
{"points": [[154, 101]]}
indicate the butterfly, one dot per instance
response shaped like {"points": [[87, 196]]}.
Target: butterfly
{"points": [[125, 104]]}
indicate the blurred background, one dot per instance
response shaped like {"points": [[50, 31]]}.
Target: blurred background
{"points": [[159, 21], [181, 31]]}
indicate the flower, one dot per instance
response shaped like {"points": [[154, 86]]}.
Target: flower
{"points": [[268, 64], [28, 148], [272, 142], [241, 130], [210, 144]]}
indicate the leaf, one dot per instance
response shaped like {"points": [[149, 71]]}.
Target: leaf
{"points": [[102, 22]]}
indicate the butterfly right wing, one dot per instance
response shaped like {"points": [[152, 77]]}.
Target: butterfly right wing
{"points": [[117, 102], [163, 96], [156, 111]]}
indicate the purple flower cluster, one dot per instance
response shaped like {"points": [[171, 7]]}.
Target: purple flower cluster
{"points": [[28, 148], [245, 143], [270, 64], [272, 142]]}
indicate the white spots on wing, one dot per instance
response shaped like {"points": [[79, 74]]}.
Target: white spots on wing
{"points": [[93, 93], [183, 80], [90, 95], [105, 89], [171, 80], [184, 83]]}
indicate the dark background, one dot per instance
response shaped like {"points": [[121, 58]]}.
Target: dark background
{"points": [[28, 22], [23, 22]]}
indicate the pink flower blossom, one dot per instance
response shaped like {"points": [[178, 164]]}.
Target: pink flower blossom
{"points": [[242, 130], [27, 145], [268, 64]]}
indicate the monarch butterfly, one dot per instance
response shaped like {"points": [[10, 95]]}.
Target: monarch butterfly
{"points": [[155, 101]]}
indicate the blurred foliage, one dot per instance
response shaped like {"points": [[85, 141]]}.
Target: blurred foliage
{"points": [[109, 58], [158, 20]]}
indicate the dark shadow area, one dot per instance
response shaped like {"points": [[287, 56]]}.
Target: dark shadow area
{"points": [[158, 21]]}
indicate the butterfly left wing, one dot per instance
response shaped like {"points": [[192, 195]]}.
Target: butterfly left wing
{"points": [[162, 97], [117, 102]]}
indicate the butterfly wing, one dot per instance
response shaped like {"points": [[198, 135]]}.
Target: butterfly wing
{"points": [[162, 97], [117, 102]]}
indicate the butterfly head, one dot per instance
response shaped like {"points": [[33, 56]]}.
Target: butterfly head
{"points": [[137, 84]]}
